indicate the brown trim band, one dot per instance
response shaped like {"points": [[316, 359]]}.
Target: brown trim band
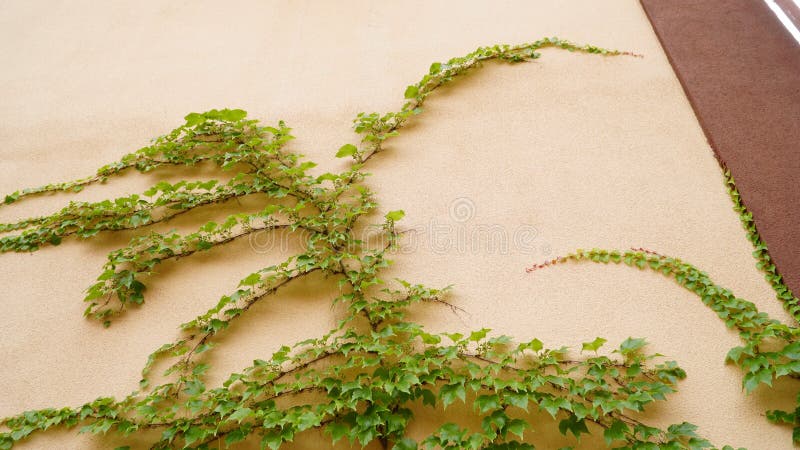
{"points": [[740, 69]]}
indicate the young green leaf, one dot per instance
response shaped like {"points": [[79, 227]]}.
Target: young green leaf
{"points": [[396, 215], [346, 150]]}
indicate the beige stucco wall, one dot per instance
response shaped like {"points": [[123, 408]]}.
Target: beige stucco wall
{"points": [[589, 152]]}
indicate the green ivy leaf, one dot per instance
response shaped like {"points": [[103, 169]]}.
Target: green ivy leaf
{"points": [[615, 432], [346, 150], [451, 392], [337, 431], [193, 119], [451, 433], [240, 414], [517, 426], [534, 345], [476, 336], [573, 425], [679, 430], [553, 404], [752, 380], [272, 440], [520, 400], [234, 436], [594, 345], [251, 280], [631, 345], [232, 115], [394, 216], [405, 444], [486, 403]]}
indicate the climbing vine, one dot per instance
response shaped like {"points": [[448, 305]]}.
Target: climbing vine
{"points": [[760, 252], [366, 379], [770, 349]]}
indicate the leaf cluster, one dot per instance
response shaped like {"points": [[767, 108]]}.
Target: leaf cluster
{"points": [[770, 350], [366, 379]]}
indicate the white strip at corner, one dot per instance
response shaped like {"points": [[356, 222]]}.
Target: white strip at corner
{"points": [[784, 19]]}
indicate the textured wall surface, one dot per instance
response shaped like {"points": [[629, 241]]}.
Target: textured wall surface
{"points": [[589, 152]]}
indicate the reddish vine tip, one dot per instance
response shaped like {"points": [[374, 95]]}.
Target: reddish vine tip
{"points": [[635, 55]]}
